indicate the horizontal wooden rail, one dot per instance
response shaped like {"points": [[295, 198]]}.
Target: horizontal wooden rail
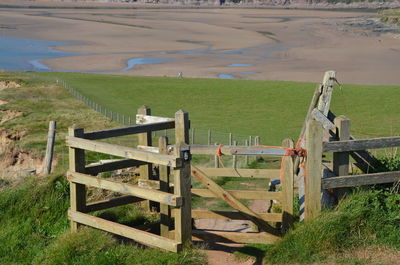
{"points": [[360, 180], [242, 194], [244, 173], [233, 215], [236, 150], [104, 134], [234, 237], [146, 119], [113, 165], [361, 144], [122, 151], [114, 202], [140, 236], [124, 188]]}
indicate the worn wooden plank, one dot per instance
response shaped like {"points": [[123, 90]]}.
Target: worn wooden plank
{"points": [[165, 210], [234, 237], [313, 170], [146, 119], [140, 236], [136, 129], [112, 165], [362, 144], [124, 188], [242, 194], [113, 202], [76, 164], [122, 151], [287, 186], [233, 215], [232, 201], [326, 123], [361, 180], [325, 99], [182, 178], [241, 173], [149, 184], [152, 149]]}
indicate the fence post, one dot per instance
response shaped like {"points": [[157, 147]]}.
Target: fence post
{"points": [[209, 137], [287, 186], [230, 139], [48, 159], [246, 157], [234, 157], [146, 171], [76, 164], [341, 159], [313, 172], [193, 135], [165, 210], [182, 178]]}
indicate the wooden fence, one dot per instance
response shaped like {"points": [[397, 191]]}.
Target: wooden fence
{"points": [[343, 146], [177, 160]]}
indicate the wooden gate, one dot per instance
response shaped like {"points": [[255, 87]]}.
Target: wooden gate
{"points": [[177, 161], [264, 221]]}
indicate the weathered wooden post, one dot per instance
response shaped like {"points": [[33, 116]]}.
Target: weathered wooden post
{"points": [[165, 210], [182, 178], [48, 159], [341, 159], [234, 157], [76, 164], [246, 157], [193, 135], [313, 172], [146, 171], [287, 186]]}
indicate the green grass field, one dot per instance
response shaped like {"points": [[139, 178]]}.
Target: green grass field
{"points": [[273, 110]]}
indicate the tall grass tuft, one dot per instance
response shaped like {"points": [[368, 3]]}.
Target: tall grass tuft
{"points": [[366, 218]]}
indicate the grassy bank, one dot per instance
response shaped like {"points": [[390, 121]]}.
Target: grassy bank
{"points": [[273, 110], [390, 16], [33, 209]]}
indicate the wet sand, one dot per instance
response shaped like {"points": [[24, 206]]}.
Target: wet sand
{"points": [[279, 44]]}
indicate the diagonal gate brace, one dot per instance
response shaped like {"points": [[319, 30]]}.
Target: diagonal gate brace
{"points": [[232, 201]]}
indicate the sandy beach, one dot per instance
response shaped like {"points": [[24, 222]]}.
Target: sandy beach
{"points": [[265, 44]]}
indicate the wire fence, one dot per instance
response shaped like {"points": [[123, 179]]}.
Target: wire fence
{"points": [[197, 136]]}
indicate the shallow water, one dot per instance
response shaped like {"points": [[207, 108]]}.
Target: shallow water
{"points": [[137, 61], [239, 65], [226, 76], [26, 54]]}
